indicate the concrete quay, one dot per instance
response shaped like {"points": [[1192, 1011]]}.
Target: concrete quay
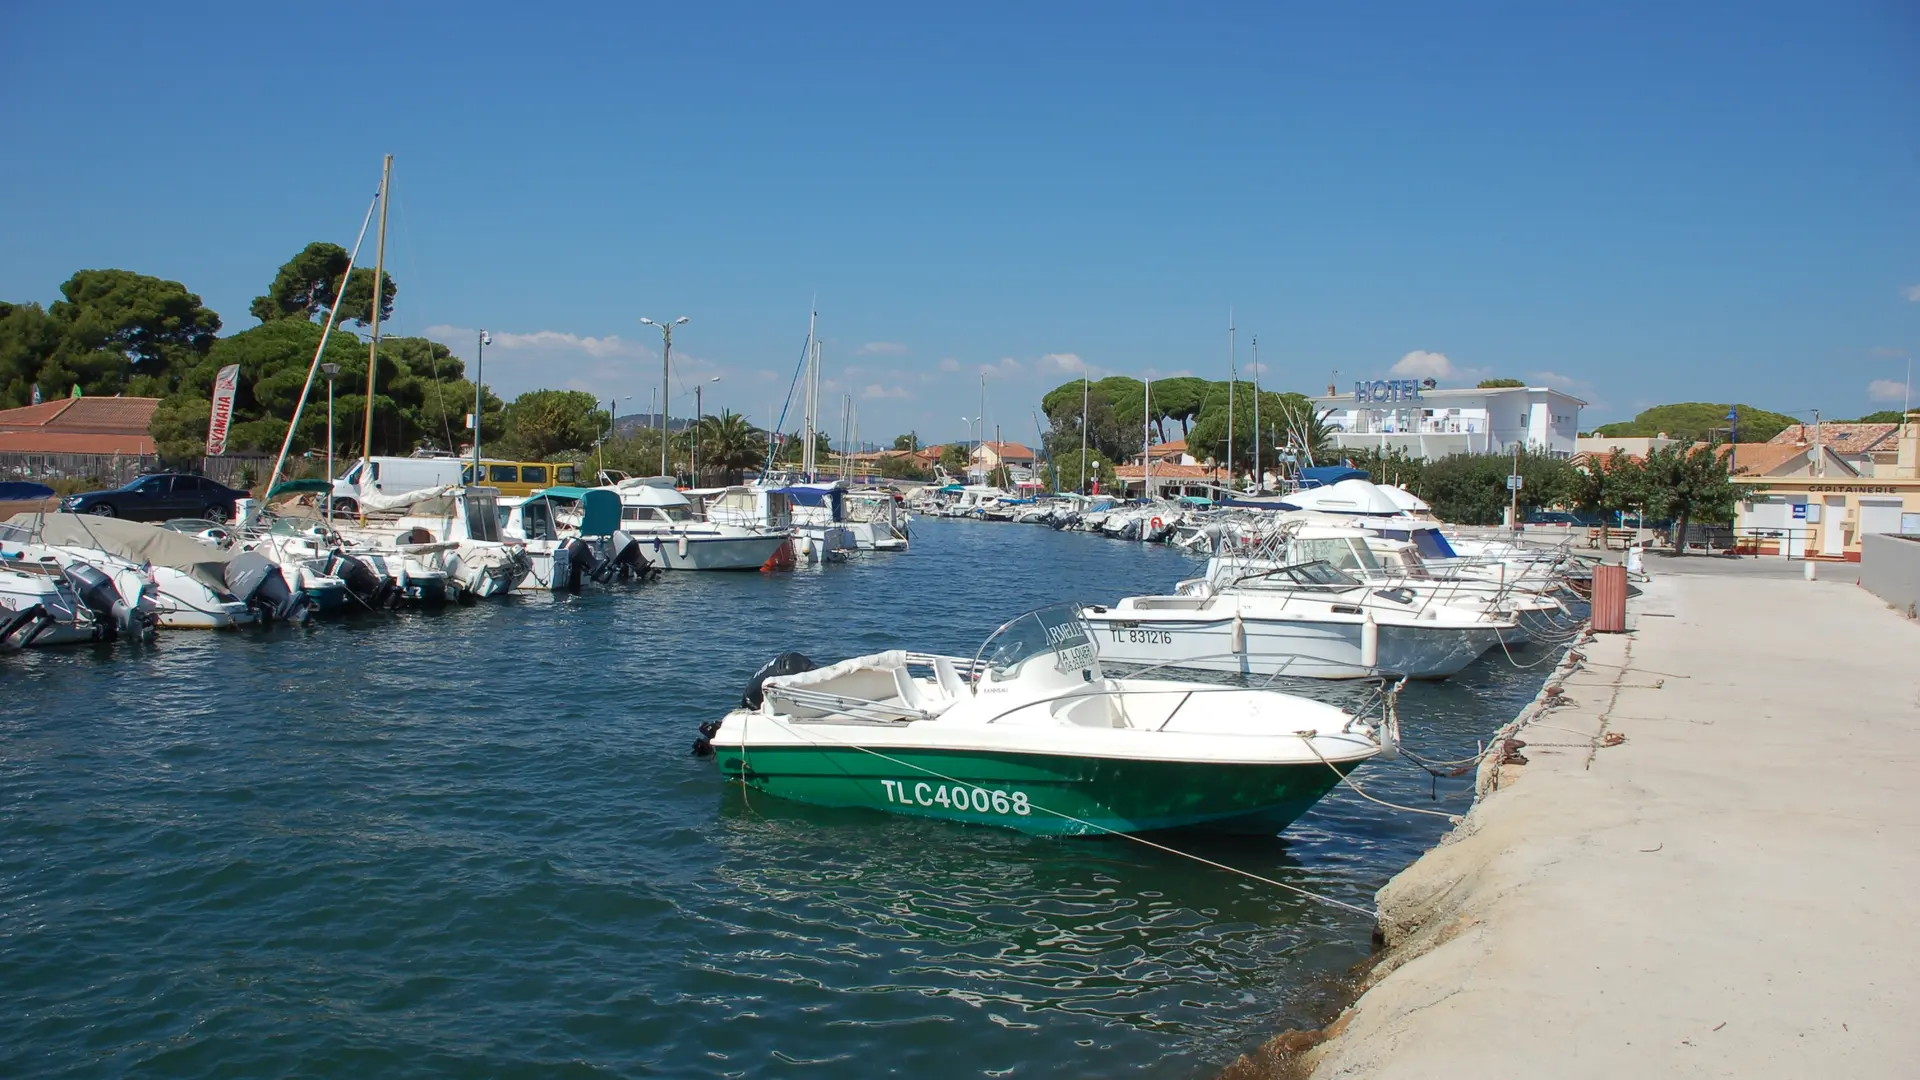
{"points": [[1708, 864]]}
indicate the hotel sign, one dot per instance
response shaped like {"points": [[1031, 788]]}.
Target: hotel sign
{"points": [[1383, 391]]}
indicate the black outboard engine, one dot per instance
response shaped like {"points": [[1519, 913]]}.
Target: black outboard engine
{"points": [[96, 590], [787, 663], [366, 586], [257, 582], [580, 563], [626, 559]]}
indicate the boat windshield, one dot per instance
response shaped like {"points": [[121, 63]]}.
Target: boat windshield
{"points": [[1341, 553], [1054, 637], [1312, 575]]}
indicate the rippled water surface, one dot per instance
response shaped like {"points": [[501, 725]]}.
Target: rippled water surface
{"points": [[474, 844]]}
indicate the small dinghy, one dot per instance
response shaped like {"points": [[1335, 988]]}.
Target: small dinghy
{"points": [[1030, 735]]}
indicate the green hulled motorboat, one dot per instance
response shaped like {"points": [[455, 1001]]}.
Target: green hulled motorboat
{"points": [[1030, 735]]}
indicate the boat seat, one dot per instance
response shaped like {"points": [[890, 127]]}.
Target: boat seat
{"points": [[948, 678]]}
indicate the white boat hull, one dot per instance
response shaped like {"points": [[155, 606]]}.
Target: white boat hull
{"points": [[1299, 647], [695, 552]]}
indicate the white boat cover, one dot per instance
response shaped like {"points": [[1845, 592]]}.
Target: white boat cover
{"points": [[385, 504], [1345, 497], [1404, 499], [134, 541]]}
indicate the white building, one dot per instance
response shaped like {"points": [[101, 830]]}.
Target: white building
{"points": [[1427, 423]]}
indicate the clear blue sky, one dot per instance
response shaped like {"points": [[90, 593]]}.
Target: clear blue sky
{"points": [[1636, 202]]}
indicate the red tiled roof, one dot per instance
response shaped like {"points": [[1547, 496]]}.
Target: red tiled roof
{"points": [[1008, 451], [1843, 438], [88, 415], [75, 442], [1167, 472]]}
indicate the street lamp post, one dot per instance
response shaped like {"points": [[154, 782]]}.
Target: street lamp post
{"points": [[666, 373], [479, 369], [972, 447], [699, 414], [330, 370]]}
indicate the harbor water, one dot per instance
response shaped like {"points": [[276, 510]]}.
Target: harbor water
{"points": [[474, 844]]}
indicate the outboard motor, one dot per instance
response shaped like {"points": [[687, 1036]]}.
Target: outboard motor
{"points": [[366, 586], [628, 560], [257, 582], [787, 663], [580, 563], [96, 590]]}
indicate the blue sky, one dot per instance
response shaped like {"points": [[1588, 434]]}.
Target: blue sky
{"points": [[1636, 202]]}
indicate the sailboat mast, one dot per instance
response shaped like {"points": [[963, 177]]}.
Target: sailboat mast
{"points": [[373, 349], [1146, 437], [809, 398], [1233, 376], [1086, 396], [1256, 413]]}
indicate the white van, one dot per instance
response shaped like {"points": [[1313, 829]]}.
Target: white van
{"points": [[395, 476]]}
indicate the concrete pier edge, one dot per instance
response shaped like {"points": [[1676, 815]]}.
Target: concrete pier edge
{"points": [[1398, 919]]}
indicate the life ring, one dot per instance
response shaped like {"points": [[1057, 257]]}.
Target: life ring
{"points": [[1156, 523]]}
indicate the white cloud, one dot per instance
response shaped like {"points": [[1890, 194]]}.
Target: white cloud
{"points": [[1063, 363], [550, 341], [1420, 364], [1007, 368], [559, 360], [882, 348], [1887, 390], [1885, 352], [949, 364], [1912, 293], [877, 391]]}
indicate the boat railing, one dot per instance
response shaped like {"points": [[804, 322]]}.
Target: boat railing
{"points": [[842, 706], [1383, 696]]}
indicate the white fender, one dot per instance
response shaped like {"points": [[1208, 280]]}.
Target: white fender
{"points": [[1369, 642]]}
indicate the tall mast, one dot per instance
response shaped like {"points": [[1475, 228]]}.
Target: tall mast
{"points": [[373, 349], [1085, 397], [813, 378], [1233, 376], [1146, 437], [1257, 440]]}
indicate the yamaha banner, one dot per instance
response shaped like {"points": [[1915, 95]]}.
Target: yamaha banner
{"points": [[223, 388]]}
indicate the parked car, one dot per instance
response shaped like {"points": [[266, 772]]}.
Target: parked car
{"points": [[1558, 518], [157, 497]]}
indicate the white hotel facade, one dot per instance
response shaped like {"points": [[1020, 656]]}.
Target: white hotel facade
{"points": [[1425, 422]]}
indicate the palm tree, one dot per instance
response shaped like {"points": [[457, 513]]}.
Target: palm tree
{"points": [[729, 443], [1306, 432]]}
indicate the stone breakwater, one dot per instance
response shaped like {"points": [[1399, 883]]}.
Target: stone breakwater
{"points": [[1694, 853]]}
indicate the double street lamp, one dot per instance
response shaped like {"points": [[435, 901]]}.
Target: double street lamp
{"points": [[666, 374]]}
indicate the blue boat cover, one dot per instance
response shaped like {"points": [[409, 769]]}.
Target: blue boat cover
{"points": [[599, 507], [1329, 475], [814, 496]]}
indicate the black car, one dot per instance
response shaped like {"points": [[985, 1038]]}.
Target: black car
{"points": [[157, 497]]}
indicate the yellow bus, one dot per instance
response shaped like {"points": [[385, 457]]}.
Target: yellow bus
{"points": [[521, 477]]}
